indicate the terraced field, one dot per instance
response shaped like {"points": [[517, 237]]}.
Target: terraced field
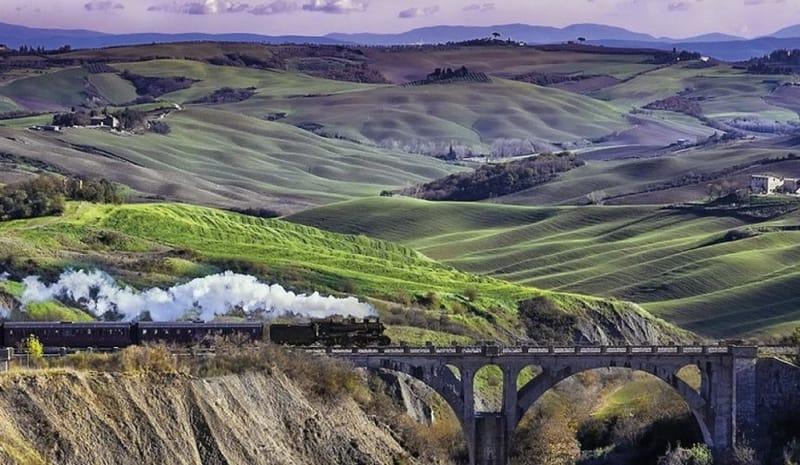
{"points": [[682, 266]]}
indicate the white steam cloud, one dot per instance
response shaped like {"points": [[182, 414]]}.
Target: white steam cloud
{"points": [[207, 297], [4, 312]]}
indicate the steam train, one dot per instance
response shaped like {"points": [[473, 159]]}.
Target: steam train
{"points": [[327, 332]]}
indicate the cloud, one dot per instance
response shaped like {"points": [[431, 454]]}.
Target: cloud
{"points": [[274, 8], [337, 6], [678, 6], [207, 7], [212, 7], [103, 5], [481, 7], [418, 12]]}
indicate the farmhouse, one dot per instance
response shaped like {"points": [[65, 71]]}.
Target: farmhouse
{"points": [[765, 184], [105, 121]]}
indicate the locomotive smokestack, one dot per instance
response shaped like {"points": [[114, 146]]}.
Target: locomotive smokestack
{"points": [[209, 296]]}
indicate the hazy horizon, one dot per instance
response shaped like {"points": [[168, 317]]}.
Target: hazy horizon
{"points": [[660, 18]]}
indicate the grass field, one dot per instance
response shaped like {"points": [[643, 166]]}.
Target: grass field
{"points": [[268, 83], [63, 89], [473, 115], [408, 65], [721, 91], [676, 264], [221, 158], [140, 244], [626, 177]]}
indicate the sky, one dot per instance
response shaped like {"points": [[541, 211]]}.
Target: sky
{"points": [[672, 18]]}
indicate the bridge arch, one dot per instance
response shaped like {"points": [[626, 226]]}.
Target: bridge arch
{"points": [[724, 403], [550, 377]]}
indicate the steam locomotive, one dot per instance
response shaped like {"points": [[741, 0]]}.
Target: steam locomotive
{"points": [[327, 332]]}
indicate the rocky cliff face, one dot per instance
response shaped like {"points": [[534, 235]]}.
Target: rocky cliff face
{"points": [[77, 418]]}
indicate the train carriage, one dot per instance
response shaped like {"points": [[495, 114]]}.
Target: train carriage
{"points": [[105, 335], [194, 333], [64, 334]]}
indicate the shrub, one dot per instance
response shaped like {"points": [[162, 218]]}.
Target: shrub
{"points": [[699, 454], [742, 454], [791, 453], [156, 86], [471, 294], [546, 322], [157, 359], [160, 127], [34, 348], [71, 119], [227, 95]]}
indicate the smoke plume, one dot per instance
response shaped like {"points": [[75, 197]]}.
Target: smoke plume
{"points": [[205, 297], [4, 312]]}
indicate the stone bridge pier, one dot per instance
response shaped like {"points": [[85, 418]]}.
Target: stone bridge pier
{"points": [[724, 406], [5, 359]]}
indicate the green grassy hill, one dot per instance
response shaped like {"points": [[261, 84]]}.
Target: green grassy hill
{"points": [[164, 243], [678, 265]]}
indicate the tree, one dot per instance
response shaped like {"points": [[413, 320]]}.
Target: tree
{"points": [[35, 350], [496, 35], [596, 197], [581, 39]]}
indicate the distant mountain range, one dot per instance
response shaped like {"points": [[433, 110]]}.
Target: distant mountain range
{"points": [[523, 33], [721, 46], [15, 36]]}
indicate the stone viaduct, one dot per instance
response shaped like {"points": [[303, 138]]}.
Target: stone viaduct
{"points": [[738, 394]]}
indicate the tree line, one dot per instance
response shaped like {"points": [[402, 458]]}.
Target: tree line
{"points": [[495, 180], [47, 195]]}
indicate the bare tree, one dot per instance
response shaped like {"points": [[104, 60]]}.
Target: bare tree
{"points": [[596, 197]]}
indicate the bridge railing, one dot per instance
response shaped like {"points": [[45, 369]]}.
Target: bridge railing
{"points": [[492, 350]]}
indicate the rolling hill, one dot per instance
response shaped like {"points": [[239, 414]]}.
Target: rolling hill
{"points": [[221, 158], [295, 141], [718, 274], [165, 243]]}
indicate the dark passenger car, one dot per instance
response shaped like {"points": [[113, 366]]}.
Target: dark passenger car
{"points": [[77, 335], [191, 333]]}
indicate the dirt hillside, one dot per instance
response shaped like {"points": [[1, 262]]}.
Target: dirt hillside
{"points": [[66, 418]]}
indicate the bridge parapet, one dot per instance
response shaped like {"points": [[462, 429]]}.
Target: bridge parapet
{"points": [[511, 351]]}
